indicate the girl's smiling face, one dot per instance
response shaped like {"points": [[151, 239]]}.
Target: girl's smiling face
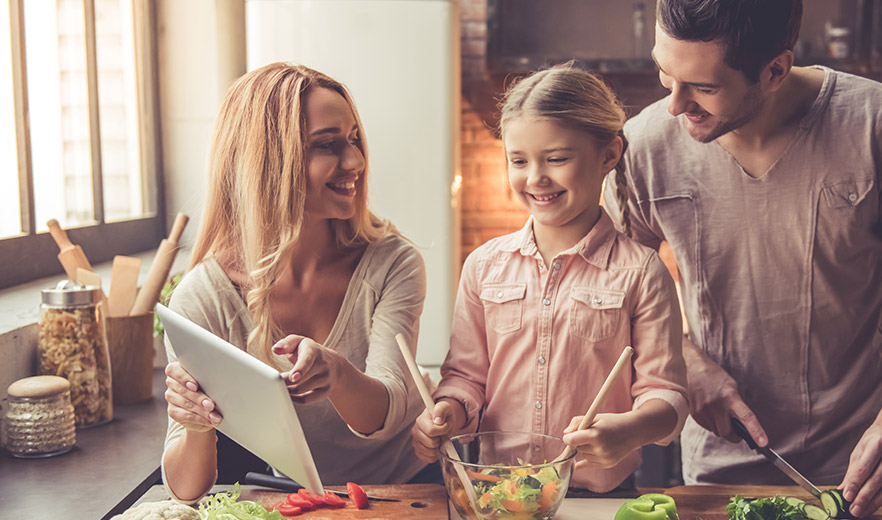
{"points": [[335, 162], [557, 171]]}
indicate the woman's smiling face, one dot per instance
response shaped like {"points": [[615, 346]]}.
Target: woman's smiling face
{"points": [[335, 162], [556, 171]]}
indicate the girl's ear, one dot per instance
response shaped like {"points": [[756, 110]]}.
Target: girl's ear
{"points": [[611, 153]]}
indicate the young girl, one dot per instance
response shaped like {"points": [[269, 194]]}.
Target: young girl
{"points": [[543, 314]]}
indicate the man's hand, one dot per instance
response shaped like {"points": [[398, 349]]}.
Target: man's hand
{"points": [[862, 485], [714, 398]]}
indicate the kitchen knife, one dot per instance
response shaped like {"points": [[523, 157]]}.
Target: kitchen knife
{"points": [[775, 459], [286, 484]]}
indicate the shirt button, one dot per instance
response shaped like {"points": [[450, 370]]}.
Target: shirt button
{"points": [[556, 266], [546, 302], [852, 197], [541, 360], [536, 448], [597, 300], [538, 404], [499, 294]]}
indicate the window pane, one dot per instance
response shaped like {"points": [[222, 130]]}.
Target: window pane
{"points": [[118, 109], [10, 209], [59, 111]]}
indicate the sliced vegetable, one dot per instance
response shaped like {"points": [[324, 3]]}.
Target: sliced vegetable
{"points": [[313, 498], [815, 513], [835, 504], [357, 495], [650, 506], [476, 475], [287, 509], [296, 500], [333, 500], [547, 497]]}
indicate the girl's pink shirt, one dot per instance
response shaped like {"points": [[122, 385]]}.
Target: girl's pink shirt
{"points": [[531, 344]]}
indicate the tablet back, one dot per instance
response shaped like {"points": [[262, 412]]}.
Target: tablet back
{"points": [[249, 394]]}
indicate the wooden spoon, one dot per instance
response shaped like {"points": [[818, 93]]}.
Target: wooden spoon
{"points": [[446, 445], [600, 399]]}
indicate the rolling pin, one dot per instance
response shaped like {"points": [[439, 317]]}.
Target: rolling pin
{"points": [[71, 256], [148, 296]]}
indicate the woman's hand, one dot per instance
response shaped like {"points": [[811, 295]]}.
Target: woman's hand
{"points": [[606, 442], [428, 428], [314, 373], [186, 404]]}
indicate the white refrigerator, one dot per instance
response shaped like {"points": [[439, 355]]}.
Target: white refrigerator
{"points": [[400, 60]]}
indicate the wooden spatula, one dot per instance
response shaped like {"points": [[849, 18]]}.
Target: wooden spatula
{"points": [[446, 445], [91, 278], [71, 256], [600, 398], [123, 284], [148, 296]]}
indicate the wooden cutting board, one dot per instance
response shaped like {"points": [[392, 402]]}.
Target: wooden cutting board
{"points": [[427, 501], [709, 502]]}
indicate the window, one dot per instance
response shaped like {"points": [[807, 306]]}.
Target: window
{"points": [[77, 131]]}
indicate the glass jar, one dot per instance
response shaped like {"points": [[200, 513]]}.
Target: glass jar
{"points": [[39, 417], [73, 345]]}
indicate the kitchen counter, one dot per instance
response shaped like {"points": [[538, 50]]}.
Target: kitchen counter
{"points": [[108, 469]]}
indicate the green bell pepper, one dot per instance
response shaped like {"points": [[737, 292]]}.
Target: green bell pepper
{"points": [[651, 506]]}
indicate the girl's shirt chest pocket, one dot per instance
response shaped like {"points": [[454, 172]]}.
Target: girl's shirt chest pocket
{"points": [[503, 306], [595, 314]]}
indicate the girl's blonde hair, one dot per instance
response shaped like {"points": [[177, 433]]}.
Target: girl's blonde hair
{"points": [[257, 186], [577, 99]]}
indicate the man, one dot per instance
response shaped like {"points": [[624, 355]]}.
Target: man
{"points": [[765, 180]]}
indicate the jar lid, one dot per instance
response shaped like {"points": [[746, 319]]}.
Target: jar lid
{"points": [[68, 293], [38, 386]]}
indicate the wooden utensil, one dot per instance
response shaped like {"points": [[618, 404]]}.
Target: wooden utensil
{"points": [[71, 256], [148, 296], [86, 277], [123, 284], [446, 445], [600, 398]]}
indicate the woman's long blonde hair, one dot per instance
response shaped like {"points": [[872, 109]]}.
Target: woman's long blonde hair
{"points": [[257, 186], [578, 99]]}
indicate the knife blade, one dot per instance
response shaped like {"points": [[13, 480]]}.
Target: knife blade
{"points": [[775, 459], [286, 484]]}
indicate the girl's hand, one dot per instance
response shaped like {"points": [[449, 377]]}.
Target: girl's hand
{"points": [[312, 377], [605, 443], [186, 404], [427, 430]]}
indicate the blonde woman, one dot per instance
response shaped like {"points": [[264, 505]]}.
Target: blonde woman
{"points": [[291, 266]]}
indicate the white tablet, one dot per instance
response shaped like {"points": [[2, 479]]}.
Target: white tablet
{"points": [[249, 394]]}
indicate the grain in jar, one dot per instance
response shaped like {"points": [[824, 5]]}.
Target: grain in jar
{"points": [[73, 345], [39, 417]]}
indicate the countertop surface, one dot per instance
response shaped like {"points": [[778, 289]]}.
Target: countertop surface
{"points": [[108, 469]]}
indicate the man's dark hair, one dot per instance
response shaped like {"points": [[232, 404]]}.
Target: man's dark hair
{"points": [[752, 32]]}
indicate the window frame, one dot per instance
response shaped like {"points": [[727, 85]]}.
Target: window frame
{"points": [[33, 255]]}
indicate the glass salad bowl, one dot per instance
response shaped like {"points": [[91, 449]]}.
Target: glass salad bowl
{"points": [[512, 475]]}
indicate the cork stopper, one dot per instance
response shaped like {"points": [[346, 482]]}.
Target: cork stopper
{"points": [[38, 386]]}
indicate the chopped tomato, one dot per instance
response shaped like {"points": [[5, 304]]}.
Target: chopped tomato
{"points": [[296, 500], [513, 505], [287, 509], [333, 500], [357, 495], [547, 496], [476, 475], [313, 498]]}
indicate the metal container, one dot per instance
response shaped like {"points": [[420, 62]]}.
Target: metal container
{"points": [[39, 417], [73, 345]]}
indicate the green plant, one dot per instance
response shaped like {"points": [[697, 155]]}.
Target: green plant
{"points": [[164, 297]]}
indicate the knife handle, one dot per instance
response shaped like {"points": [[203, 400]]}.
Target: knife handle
{"points": [[271, 481], [743, 433]]}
